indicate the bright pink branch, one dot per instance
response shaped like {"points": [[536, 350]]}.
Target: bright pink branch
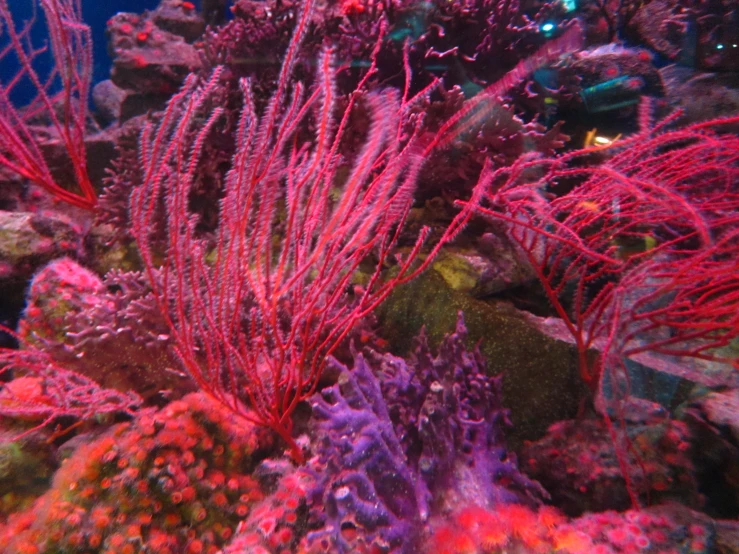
{"points": [[71, 48], [641, 256], [255, 312]]}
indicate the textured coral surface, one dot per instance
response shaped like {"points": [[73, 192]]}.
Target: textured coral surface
{"points": [[210, 278]]}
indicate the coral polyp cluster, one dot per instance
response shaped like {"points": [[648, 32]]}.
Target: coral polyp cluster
{"points": [[517, 529], [178, 480], [576, 462], [660, 530], [508, 528]]}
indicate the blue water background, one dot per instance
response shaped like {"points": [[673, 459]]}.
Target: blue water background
{"points": [[95, 13]]}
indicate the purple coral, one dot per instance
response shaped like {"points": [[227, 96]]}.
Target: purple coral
{"points": [[368, 483], [398, 440]]}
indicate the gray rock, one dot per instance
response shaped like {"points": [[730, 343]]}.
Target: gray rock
{"points": [[107, 99], [179, 18], [701, 96], [148, 59], [116, 104], [99, 149]]}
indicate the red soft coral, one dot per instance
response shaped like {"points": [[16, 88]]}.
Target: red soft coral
{"points": [[475, 530]]}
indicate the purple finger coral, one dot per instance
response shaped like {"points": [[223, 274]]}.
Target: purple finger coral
{"points": [[398, 442], [368, 482]]}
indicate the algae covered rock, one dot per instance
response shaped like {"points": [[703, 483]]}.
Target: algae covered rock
{"points": [[490, 266], [26, 467], [540, 380], [713, 418], [105, 329], [29, 240]]}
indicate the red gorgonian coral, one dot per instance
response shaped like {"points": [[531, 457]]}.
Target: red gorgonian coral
{"points": [[255, 312], [71, 47]]}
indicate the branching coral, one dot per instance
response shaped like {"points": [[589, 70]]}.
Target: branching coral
{"points": [[255, 313], [399, 442], [636, 257], [43, 392], [20, 151]]}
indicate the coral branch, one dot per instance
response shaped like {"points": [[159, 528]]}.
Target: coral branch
{"points": [[255, 312], [641, 255], [47, 392], [71, 48]]}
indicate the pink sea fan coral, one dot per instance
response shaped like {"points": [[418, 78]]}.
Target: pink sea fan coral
{"points": [[255, 313], [20, 148]]}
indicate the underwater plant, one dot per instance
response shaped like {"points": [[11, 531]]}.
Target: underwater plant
{"points": [[255, 314], [46, 392], [638, 257], [642, 244], [253, 321], [61, 98]]}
